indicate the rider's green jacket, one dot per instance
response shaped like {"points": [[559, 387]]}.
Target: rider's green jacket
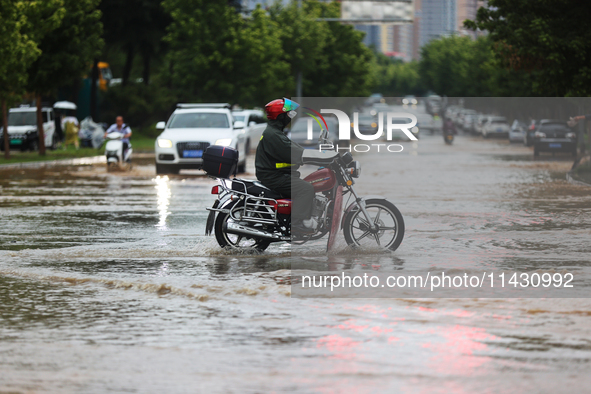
{"points": [[276, 154]]}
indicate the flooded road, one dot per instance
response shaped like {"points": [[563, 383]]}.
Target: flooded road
{"points": [[108, 283]]}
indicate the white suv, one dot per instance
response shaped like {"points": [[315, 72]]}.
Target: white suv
{"points": [[22, 128], [255, 123], [190, 130]]}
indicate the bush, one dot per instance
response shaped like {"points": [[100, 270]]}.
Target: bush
{"points": [[140, 105]]}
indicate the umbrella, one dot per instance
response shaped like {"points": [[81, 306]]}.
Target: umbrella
{"points": [[64, 105]]}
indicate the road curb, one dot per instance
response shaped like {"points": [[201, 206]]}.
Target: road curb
{"points": [[79, 161]]}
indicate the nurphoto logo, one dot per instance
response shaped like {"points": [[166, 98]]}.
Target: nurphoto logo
{"points": [[395, 122]]}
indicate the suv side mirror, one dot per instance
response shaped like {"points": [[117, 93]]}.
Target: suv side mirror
{"points": [[160, 125], [239, 124], [252, 123]]}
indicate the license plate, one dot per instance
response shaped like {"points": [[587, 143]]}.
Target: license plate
{"points": [[16, 142], [192, 153], [555, 145], [499, 130]]}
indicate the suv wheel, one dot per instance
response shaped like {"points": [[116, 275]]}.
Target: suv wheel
{"points": [[242, 167]]}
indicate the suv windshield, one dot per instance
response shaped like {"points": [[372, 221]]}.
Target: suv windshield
{"points": [[498, 122], [199, 120], [22, 118]]}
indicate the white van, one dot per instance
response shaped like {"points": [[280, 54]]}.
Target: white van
{"points": [[22, 128]]}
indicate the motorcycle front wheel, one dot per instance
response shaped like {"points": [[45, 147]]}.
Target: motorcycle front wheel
{"points": [[235, 241], [387, 233]]}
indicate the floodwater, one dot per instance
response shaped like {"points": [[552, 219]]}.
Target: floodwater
{"points": [[108, 283]]}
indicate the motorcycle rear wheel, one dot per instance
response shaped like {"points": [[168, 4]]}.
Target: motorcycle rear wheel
{"points": [[385, 215], [235, 241]]}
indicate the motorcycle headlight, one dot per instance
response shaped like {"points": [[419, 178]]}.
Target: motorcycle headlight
{"points": [[539, 134], [571, 135], [164, 143], [354, 169], [224, 141]]}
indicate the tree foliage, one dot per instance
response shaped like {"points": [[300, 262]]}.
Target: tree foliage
{"points": [[218, 55], [67, 52], [548, 39], [136, 27], [395, 78], [22, 24]]}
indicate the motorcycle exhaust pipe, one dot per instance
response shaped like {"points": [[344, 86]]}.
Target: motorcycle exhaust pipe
{"points": [[238, 229]]}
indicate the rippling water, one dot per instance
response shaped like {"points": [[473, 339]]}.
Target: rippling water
{"points": [[108, 283]]}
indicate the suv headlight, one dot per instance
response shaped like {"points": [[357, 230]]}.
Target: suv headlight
{"points": [[164, 143], [571, 135], [539, 134], [415, 130], [224, 142]]}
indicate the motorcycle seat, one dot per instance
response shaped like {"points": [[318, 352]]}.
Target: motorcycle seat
{"points": [[255, 188]]}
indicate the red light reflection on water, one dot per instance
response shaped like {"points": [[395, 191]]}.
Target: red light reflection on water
{"points": [[457, 354], [341, 347]]}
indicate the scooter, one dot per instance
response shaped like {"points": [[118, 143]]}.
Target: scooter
{"points": [[248, 215], [116, 158], [448, 138]]}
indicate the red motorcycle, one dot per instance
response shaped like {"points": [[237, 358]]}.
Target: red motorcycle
{"points": [[252, 216]]}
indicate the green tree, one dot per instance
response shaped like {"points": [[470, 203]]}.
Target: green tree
{"points": [[462, 67], [217, 55], [66, 52], [21, 23], [331, 56], [395, 78], [135, 27], [548, 39]]}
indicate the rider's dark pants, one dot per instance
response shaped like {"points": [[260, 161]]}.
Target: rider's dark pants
{"points": [[294, 187]]}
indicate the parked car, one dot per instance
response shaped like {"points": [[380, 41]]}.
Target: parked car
{"points": [[190, 130], [426, 122], [480, 122], [528, 138], [461, 116], [554, 136], [469, 122], [374, 99], [299, 132], [410, 100], [496, 126], [255, 122], [433, 104], [22, 128], [517, 131]]}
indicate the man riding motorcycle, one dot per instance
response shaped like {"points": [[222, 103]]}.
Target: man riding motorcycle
{"points": [[120, 127], [275, 169]]}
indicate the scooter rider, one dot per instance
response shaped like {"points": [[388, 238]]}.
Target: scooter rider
{"points": [[120, 127], [277, 160]]}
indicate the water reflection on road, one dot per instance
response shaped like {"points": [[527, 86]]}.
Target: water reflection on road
{"points": [[107, 282]]}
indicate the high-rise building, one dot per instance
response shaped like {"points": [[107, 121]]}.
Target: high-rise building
{"points": [[438, 19]]}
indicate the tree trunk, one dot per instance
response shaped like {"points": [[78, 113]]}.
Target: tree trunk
{"points": [[40, 131], [146, 70], [6, 141], [128, 64], [93, 90]]}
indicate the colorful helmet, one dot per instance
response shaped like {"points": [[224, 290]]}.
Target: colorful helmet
{"points": [[279, 106]]}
